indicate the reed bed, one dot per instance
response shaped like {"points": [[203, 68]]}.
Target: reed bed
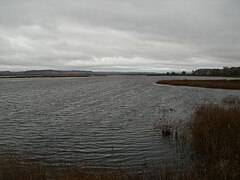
{"points": [[218, 84], [215, 134]]}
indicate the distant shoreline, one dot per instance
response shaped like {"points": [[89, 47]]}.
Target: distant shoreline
{"points": [[216, 84], [39, 76], [225, 72]]}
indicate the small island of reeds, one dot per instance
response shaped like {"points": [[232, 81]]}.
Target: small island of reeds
{"points": [[218, 84]]}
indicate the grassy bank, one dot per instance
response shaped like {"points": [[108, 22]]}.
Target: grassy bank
{"points": [[219, 84], [214, 134]]}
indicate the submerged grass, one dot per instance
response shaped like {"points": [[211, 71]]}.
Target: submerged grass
{"points": [[219, 84], [16, 168]]}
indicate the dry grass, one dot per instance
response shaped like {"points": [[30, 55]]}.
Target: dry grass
{"points": [[215, 134], [16, 168], [232, 100], [13, 167], [219, 84]]}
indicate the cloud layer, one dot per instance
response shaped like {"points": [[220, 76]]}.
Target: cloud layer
{"points": [[113, 35]]}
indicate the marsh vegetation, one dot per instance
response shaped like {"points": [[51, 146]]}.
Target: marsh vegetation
{"points": [[218, 84]]}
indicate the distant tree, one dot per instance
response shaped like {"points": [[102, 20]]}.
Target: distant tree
{"points": [[226, 71], [225, 67], [168, 73], [184, 72]]}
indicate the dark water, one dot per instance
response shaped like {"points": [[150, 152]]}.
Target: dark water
{"points": [[94, 121]]}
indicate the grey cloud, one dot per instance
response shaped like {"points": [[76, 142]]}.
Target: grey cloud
{"points": [[134, 35]]}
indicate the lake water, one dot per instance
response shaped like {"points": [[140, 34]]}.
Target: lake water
{"points": [[100, 121]]}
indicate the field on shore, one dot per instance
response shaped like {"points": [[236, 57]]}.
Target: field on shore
{"points": [[218, 84]]}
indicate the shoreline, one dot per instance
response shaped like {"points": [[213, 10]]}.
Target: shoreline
{"points": [[215, 84], [5, 77]]}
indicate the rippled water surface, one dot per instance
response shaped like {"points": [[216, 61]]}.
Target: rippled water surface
{"points": [[94, 121]]}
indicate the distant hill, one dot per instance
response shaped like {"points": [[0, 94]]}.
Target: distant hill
{"points": [[46, 73], [58, 73], [224, 72]]}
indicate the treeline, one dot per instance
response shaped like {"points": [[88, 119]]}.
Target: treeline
{"points": [[224, 72]]}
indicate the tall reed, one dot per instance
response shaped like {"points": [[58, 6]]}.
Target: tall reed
{"points": [[215, 132]]}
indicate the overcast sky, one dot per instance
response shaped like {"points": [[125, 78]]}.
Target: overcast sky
{"points": [[119, 35]]}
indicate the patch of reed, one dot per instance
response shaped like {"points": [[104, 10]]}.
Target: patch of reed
{"points": [[215, 134], [232, 100], [220, 84]]}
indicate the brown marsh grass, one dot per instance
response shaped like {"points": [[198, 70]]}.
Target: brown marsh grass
{"points": [[215, 134], [232, 100], [219, 84], [13, 167]]}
